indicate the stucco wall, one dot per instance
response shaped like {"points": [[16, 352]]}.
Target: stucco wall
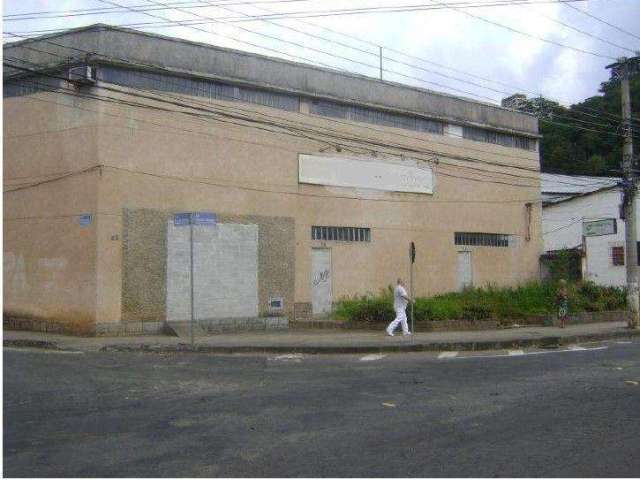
{"points": [[49, 258], [192, 165], [169, 162]]}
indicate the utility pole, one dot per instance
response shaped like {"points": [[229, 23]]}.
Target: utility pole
{"points": [[622, 70], [412, 260]]}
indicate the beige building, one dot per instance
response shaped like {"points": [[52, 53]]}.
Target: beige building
{"points": [[309, 185]]}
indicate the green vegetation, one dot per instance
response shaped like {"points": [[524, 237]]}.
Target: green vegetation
{"points": [[502, 304], [581, 139]]}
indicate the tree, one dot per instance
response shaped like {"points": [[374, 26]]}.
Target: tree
{"points": [[580, 139]]}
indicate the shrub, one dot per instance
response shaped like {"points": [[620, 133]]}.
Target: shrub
{"points": [[503, 304]]}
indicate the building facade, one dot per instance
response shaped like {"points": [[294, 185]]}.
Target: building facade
{"points": [[582, 214], [295, 185]]}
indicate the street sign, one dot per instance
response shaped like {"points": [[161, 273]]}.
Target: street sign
{"points": [[412, 252], [597, 228], [195, 218], [85, 220], [204, 218], [181, 219]]}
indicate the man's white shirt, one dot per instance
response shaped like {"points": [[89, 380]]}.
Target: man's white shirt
{"points": [[399, 300]]}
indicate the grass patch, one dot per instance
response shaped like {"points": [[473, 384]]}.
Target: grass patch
{"points": [[502, 304]]}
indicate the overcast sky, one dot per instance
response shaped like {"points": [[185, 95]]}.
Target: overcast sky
{"points": [[439, 38]]}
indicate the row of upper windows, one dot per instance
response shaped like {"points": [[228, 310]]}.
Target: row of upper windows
{"points": [[223, 91]]}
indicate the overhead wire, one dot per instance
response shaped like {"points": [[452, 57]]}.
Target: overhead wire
{"points": [[602, 20], [341, 144], [332, 136], [153, 2], [413, 138], [598, 113], [484, 173], [335, 12], [348, 36]]}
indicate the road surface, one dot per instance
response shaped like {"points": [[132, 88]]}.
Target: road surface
{"points": [[491, 414]]}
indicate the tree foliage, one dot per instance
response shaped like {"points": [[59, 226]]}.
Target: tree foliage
{"points": [[580, 139]]}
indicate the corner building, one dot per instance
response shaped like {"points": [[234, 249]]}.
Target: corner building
{"points": [[309, 184]]}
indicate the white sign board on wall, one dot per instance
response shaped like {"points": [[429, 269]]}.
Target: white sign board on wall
{"points": [[607, 226], [373, 174]]}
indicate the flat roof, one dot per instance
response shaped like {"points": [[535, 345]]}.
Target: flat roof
{"points": [[120, 44]]}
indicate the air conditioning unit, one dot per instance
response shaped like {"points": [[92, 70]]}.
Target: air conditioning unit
{"points": [[82, 75]]}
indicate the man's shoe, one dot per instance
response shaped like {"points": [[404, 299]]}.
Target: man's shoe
{"points": [[390, 333], [408, 333]]}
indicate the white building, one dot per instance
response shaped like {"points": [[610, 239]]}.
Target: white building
{"points": [[571, 203]]}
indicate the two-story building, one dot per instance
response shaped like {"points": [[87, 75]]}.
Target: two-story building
{"points": [[305, 184]]}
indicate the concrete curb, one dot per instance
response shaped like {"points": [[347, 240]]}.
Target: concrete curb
{"points": [[26, 343], [548, 342]]}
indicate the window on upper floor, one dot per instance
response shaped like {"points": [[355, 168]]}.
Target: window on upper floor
{"points": [[498, 138], [357, 113]]}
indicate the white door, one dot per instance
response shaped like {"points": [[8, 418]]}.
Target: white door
{"points": [[465, 273], [321, 281]]}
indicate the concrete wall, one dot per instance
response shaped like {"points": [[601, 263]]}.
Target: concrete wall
{"points": [[49, 258]]}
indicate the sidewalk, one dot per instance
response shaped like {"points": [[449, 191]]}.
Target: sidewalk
{"points": [[334, 341]]}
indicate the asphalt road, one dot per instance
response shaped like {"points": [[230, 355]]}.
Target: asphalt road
{"points": [[558, 414]]}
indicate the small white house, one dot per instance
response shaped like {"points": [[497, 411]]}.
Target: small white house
{"points": [[582, 214]]}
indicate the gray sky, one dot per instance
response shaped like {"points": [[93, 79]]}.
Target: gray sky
{"points": [[445, 37]]}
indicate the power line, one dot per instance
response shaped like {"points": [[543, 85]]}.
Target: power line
{"points": [[84, 51], [329, 119], [379, 131], [299, 45], [371, 66], [331, 54], [333, 12], [601, 20], [583, 109], [486, 173], [530, 35], [583, 32]]}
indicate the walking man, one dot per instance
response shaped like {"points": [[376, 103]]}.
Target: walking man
{"points": [[400, 301]]}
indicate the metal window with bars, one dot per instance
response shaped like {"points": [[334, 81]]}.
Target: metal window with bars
{"points": [[379, 117], [617, 256], [198, 87], [498, 138], [479, 239], [341, 234]]}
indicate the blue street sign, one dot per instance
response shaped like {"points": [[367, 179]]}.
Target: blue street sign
{"points": [[195, 218], [180, 219], [204, 218], [85, 219]]}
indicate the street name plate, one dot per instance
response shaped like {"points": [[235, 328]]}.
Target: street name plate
{"points": [[600, 227], [85, 220], [181, 219], [195, 218], [204, 218]]}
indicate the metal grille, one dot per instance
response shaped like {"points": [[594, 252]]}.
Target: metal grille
{"points": [[475, 239], [498, 138], [617, 256], [378, 117], [341, 234], [197, 87]]}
